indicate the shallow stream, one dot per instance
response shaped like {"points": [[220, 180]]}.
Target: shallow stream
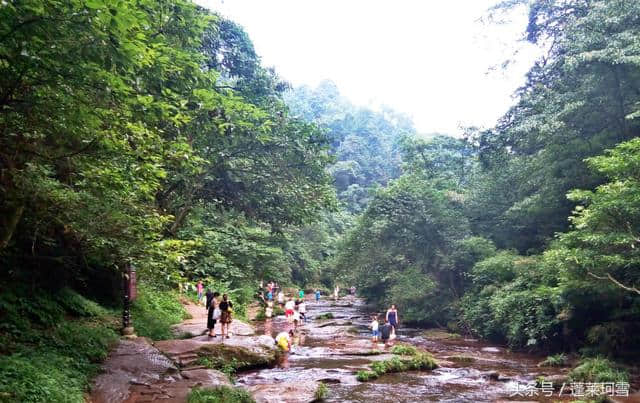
{"points": [[333, 350]]}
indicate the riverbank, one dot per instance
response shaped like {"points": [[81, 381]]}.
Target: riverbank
{"points": [[327, 355]]}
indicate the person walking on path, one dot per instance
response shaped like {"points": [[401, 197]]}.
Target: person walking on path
{"points": [[200, 288], [392, 317], [226, 309], [385, 332], [336, 293], [213, 312], [280, 298], [302, 308], [288, 309], [317, 295]]}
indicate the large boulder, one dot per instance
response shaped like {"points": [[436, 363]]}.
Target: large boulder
{"points": [[248, 352]]}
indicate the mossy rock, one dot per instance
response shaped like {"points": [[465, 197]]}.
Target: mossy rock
{"points": [[243, 357], [461, 358]]}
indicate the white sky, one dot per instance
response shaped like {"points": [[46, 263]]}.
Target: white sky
{"points": [[426, 58]]}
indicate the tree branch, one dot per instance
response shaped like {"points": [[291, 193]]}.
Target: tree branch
{"points": [[614, 281]]}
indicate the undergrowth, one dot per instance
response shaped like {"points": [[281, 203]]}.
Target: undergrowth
{"points": [[154, 311], [419, 361], [219, 394], [52, 345]]}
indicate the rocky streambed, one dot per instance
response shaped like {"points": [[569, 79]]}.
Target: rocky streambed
{"points": [[327, 351]]}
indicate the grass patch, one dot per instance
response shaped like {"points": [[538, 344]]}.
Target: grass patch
{"points": [[404, 349], [57, 342], [364, 376], [219, 394], [154, 311], [323, 316], [321, 392], [557, 360], [597, 370], [419, 361]]}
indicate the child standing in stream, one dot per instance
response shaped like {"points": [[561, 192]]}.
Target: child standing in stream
{"points": [[374, 328]]}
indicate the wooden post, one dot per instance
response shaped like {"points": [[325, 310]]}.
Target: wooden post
{"points": [[129, 294]]}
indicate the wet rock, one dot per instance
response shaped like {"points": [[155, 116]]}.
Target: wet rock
{"points": [[332, 323], [132, 363], [249, 351], [493, 375], [177, 390], [329, 380], [557, 380], [285, 392], [209, 377]]}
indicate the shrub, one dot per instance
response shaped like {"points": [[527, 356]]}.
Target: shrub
{"points": [[219, 394], [154, 311], [404, 349], [419, 361], [597, 370], [364, 376], [326, 315]]}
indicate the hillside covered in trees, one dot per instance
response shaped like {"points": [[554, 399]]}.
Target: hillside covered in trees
{"points": [[528, 232], [148, 133]]}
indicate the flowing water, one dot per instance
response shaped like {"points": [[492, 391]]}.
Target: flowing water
{"points": [[333, 350]]}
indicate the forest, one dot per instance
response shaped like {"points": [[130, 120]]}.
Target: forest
{"points": [[149, 133]]}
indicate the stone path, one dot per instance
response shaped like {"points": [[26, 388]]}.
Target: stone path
{"points": [[141, 370]]}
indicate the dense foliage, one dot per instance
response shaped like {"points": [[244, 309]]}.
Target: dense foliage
{"points": [[486, 234], [148, 133], [142, 133]]}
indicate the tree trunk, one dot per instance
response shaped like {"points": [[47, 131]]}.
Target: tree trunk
{"points": [[9, 225]]}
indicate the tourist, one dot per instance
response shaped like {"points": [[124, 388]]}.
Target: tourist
{"points": [[296, 319], [317, 295], [226, 311], [283, 340], [213, 311], [269, 296], [336, 292], [301, 294], [392, 317], [385, 332], [199, 287], [288, 309], [281, 298], [302, 308], [374, 328]]}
